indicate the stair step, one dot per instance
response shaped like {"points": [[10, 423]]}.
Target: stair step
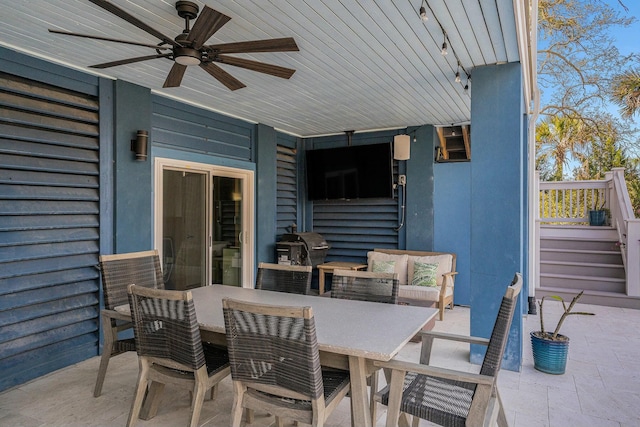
{"points": [[581, 255], [595, 270], [578, 283], [579, 244], [609, 299]]}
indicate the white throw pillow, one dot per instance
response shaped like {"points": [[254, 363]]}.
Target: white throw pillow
{"points": [[444, 265], [400, 260]]}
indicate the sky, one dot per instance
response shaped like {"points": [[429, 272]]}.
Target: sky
{"points": [[628, 39]]}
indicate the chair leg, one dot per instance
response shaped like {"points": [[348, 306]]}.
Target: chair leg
{"points": [[198, 395], [152, 400], [373, 406], [138, 397], [502, 418], [109, 338], [236, 411], [248, 416]]}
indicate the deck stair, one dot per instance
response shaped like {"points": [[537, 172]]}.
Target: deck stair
{"points": [[576, 258]]}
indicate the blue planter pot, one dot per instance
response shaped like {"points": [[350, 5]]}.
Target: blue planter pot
{"points": [[550, 356], [596, 218]]}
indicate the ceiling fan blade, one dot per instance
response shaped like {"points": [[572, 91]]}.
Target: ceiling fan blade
{"points": [[222, 76], [108, 39], [208, 22], [129, 61], [175, 75], [260, 67], [110, 7], [286, 44]]}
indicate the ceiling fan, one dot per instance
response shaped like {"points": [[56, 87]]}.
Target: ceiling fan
{"points": [[189, 48]]}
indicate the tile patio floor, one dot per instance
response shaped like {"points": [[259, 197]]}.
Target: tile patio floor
{"points": [[601, 386]]}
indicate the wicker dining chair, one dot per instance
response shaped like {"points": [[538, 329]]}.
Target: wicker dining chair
{"points": [[365, 286], [118, 272], [448, 397], [275, 364], [294, 279], [171, 351]]}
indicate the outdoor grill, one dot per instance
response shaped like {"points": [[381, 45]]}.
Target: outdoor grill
{"points": [[306, 248]]}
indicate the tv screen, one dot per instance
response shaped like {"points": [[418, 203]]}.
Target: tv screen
{"points": [[354, 172]]}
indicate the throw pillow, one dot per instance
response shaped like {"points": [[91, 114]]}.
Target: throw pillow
{"points": [[379, 266], [424, 274]]}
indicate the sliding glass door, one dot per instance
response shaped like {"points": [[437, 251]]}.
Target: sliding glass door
{"points": [[204, 224]]}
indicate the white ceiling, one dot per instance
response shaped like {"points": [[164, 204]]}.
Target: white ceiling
{"points": [[362, 65]]}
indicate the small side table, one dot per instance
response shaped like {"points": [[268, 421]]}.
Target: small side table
{"points": [[328, 267]]}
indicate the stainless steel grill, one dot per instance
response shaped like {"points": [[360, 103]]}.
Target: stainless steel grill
{"points": [[305, 248]]}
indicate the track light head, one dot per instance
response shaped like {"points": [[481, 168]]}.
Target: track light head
{"points": [[444, 48], [457, 76]]}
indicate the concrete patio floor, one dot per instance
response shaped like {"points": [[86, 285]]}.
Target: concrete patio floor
{"points": [[601, 386]]}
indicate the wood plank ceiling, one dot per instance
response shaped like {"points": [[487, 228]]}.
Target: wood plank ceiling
{"points": [[362, 65]]}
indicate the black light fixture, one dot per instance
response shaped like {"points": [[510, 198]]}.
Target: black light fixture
{"points": [[444, 45], [423, 12], [139, 145]]}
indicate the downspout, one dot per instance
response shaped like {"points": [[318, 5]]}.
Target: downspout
{"points": [[526, 17]]}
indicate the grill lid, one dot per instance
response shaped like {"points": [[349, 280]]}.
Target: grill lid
{"points": [[313, 241]]}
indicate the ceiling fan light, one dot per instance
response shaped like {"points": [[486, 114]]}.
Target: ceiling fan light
{"points": [[186, 56]]}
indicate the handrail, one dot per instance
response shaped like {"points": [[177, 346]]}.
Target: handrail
{"points": [[571, 201], [628, 228]]}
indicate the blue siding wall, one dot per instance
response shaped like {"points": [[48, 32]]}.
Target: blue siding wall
{"points": [[287, 176], [497, 202], [49, 217], [452, 220], [132, 203], [266, 189], [419, 230]]}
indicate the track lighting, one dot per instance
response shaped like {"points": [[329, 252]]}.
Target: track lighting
{"points": [[457, 76], [423, 12], [444, 48]]}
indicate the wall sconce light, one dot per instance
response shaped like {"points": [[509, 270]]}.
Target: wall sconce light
{"points": [[139, 145], [401, 147]]}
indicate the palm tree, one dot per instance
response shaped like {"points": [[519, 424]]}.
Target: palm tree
{"points": [[559, 139], [626, 92]]}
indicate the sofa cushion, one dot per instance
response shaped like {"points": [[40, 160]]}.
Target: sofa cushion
{"points": [[400, 266], [421, 292], [444, 265], [424, 274]]}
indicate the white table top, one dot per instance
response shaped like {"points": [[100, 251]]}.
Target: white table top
{"points": [[370, 330]]}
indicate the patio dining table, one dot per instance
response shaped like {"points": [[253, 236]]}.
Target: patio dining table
{"points": [[351, 334]]}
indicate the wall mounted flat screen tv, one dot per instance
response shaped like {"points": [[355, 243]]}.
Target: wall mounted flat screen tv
{"points": [[353, 172]]}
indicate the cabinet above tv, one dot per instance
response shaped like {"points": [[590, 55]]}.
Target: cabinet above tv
{"points": [[455, 144]]}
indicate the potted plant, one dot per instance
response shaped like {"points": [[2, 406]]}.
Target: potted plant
{"points": [[597, 216], [550, 348]]}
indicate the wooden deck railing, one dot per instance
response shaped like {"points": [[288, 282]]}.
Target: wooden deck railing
{"points": [[569, 202]]}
